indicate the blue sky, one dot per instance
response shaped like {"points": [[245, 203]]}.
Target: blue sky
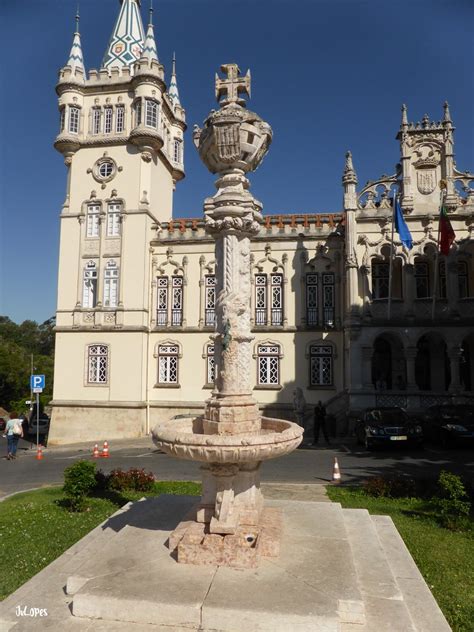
{"points": [[328, 75]]}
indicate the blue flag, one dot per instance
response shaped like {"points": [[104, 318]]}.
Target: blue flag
{"points": [[401, 226]]}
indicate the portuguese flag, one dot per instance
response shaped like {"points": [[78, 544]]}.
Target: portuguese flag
{"points": [[446, 232]]}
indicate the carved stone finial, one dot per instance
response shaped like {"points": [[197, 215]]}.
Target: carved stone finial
{"points": [[349, 176], [447, 114], [425, 121], [232, 86], [404, 115]]}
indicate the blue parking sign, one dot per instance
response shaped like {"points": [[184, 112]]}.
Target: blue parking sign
{"points": [[37, 381]]}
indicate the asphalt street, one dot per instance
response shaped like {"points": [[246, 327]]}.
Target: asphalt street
{"points": [[304, 465]]}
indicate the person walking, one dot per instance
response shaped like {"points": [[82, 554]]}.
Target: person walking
{"points": [[14, 431], [320, 423]]}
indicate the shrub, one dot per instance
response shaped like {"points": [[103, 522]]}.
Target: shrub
{"points": [[79, 481], [133, 479], [390, 487], [453, 501]]}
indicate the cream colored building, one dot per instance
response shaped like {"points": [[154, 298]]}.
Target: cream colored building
{"points": [[136, 291]]}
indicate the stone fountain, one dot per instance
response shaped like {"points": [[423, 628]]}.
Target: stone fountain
{"points": [[230, 526]]}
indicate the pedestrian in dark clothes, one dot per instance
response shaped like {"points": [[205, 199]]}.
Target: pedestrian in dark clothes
{"points": [[320, 422]]}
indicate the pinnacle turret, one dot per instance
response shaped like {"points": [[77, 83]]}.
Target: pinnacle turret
{"points": [[173, 89], [404, 117], [149, 49], [447, 114], [349, 176], [128, 38], [76, 59]]}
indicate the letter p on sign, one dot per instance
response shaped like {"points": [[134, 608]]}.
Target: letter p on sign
{"points": [[37, 383]]}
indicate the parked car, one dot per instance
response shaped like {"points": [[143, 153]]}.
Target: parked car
{"points": [[388, 426], [43, 427], [449, 424], [3, 424]]}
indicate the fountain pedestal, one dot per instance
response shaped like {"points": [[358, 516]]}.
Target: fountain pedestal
{"points": [[230, 525]]}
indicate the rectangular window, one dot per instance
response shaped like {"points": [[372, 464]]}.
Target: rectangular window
{"points": [[162, 302], [74, 119], [113, 220], [138, 112], [328, 299], [268, 365], [320, 369], [260, 299], [312, 316], [97, 364], [111, 275], [120, 119], [151, 113], [442, 279], [380, 272], [277, 299], [422, 280], [89, 287], [168, 364], [93, 216], [463, 280], [177, 301], [177, 150], [210, 298], [108, 116], [211, 364], [62, 117], [96, 119]]}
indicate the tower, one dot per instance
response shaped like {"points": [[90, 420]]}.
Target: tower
{"points": [[121, 135]]}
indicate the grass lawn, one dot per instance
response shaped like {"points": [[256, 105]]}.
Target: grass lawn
{"points": [[36, 528], [445, 558]]}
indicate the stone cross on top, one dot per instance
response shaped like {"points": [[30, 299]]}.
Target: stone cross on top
{"points": [[232, 86]]}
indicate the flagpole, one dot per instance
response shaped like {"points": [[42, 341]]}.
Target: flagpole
{"points": [[435, 281], [390, 269]]}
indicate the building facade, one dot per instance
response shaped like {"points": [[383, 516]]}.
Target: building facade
{"points": [[136, 292]]}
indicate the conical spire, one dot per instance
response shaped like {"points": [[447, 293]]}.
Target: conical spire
{"points": [[173, 89], [404, 115], [128, 38], [76, 60], [447, 114], [149, 49]]}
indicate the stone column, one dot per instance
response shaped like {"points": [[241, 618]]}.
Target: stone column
{"points": [[454, 355], [410, 354]]}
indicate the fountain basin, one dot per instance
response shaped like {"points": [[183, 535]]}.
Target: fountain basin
{"points": [[185, 439]]}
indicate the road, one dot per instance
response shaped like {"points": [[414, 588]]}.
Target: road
{"points": [[304, 465]]}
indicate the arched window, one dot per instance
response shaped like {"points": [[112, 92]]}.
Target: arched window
{"points": [[177, 150], [320, 365], [113, 219], [96, 120], [89, 286], [380, 274], [138, 112], [151, 113], [111, 278], [422, 279], [170, 301], [93, 220], [120, 119], [442, 279], [62, 118], [268, 364], [168, 355], [74, 113], [108, 118], [463, 279], [97, 364]]}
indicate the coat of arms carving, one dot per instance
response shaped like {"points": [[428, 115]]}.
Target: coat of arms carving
{"points": [[426, 180]]}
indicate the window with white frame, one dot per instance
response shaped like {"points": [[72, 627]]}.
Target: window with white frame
{"points": [[113, 219], [120, 119], [89, 285], [151, 113], [320, 365], [463, 280], [111, 278], [260, 299], [268, 365], [74, 114], [169, 301], [96, 120], [138, 112], [93, 220], [380, 272], [422, 279], [328, 299], [442, 279], [210, 300], [168, 364], [210, 363], [97, 364], [312, 302], [177, 149], [108, 117], [62, 119], [277, 299]]}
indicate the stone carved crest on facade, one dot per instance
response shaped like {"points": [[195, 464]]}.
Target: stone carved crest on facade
{"points": [[426, 180], [228, 141]]}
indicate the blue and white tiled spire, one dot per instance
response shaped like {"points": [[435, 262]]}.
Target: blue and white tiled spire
{"points": [[173, 89], [128, 38], [76, 59], [149, 49]]}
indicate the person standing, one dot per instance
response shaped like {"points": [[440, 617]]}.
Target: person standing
{"points": [[320, 422], [14, 431]]}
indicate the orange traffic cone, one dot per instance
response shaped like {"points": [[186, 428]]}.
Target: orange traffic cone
{"points": [[39, 453], [105, 450], [95, 452], [336, 474]]}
